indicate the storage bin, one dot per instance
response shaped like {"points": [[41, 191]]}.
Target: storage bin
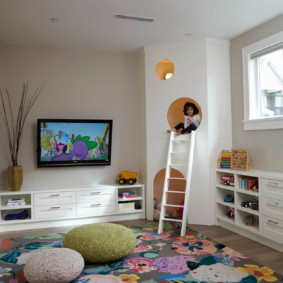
{"points": [[126, 206]]}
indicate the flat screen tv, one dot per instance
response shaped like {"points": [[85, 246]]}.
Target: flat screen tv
{"points": [[66, 142]]}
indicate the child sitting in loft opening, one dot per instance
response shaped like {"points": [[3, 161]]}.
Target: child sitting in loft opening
{"points": [[191, 120]]}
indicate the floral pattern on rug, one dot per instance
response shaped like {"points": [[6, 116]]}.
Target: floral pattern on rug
{"points": [[157, 258]]}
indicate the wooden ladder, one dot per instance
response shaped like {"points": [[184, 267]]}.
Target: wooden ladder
{"points": [[180, 157]]}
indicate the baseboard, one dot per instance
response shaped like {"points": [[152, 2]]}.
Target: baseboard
{"points": [[67, 222], [267, 242]]}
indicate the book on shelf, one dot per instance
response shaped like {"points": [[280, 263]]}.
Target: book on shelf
{"points": [[16, 202], [250, 184], [127, 193], [129, 196]]}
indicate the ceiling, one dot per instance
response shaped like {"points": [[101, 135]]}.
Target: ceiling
{"points": [[91, 24]]}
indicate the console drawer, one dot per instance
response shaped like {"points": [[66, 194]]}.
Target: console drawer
{"points": [[54, 198], [54, 211], [93, 209], [271, 207], [101, 195], [272, 228], [272, 188]]}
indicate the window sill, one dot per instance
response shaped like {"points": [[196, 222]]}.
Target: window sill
{"points": [[263, 124]]}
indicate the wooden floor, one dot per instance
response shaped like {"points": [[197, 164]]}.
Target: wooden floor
{"points": [[263, 255], [260, 253]]}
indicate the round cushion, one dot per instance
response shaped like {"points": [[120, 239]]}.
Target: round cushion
{"points": [[101, 242], [54, 265]]}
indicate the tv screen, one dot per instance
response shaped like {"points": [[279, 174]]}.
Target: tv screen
{"points": [[66, 142]]}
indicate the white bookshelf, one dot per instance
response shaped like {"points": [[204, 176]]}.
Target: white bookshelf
{"points": [[265, 223]]}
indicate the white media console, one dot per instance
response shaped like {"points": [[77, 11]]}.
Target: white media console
{"points": [[55, 207]]}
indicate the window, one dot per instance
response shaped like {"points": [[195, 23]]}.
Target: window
{"points": [[263, 84]]}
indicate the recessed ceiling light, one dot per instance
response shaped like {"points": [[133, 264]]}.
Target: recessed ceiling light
{"points": [[54, 19], [125, 17]]}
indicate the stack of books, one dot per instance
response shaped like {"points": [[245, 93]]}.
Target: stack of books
{"points": [[128, 194], [249, 183], [16, 202]]}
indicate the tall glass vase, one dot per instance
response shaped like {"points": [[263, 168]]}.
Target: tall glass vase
{"points": [[15, 177]]}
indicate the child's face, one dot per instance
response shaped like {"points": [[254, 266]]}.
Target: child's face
{"points": [[190, 111]]}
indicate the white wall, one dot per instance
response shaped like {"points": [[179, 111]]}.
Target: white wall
{"points": [[265, 146], [77, 84], [219, 106], [201, 73], [142, 117], [123, 87]]}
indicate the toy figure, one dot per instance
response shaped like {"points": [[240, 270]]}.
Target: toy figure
{"points": [[15, 216], [253, 204], [230, 212], [171, 212], [229, 198], [227, 180]]}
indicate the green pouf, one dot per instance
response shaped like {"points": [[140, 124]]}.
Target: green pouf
{"points": [[101, 242]]}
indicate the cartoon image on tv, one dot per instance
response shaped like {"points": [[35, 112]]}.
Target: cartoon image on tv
{"points": [[66, 142]]}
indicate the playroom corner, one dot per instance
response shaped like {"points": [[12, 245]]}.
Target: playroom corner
{"points": [[146, 221]]}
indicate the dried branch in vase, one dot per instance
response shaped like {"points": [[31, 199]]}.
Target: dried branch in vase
{"points": [[14, 125]]}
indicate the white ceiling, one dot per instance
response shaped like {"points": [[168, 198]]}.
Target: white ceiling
{"points": [[90, 24]]}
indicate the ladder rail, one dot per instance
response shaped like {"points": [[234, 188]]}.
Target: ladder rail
{"points": [[165, 186], [188, 184]]}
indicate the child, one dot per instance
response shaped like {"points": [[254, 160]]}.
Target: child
{"points": [[191, 122]]}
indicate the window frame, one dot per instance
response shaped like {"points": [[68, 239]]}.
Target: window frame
{"points": [[258, 123]]}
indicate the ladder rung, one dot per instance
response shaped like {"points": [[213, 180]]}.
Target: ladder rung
{"points": [[175, 192], [182, 138], [176, 178], [178, 164], [172, 219], [173, 205]]}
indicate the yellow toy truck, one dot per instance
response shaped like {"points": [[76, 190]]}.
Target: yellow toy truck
{"points": [[127, 177]]}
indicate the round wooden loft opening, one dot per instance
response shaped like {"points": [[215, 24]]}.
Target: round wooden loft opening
{"points": [[164, 69]]}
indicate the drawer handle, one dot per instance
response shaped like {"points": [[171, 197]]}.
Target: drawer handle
{"points": [[273, 222], [273, 203], [54, 196], [95, 193], [95, 204], [273, 183], [55, 207]]}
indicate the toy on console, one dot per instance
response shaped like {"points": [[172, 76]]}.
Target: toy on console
{"points": [[229, 198], [253, 204], [230, 212], [171, 212], [14, 216], [127, 177], [227, 180]]}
